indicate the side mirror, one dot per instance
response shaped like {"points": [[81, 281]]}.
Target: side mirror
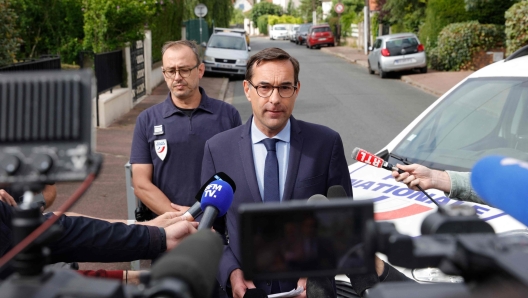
{"points": [[249, 49], [203, 44], [370, 49]]}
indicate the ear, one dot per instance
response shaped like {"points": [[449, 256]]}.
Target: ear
{"points": [[246, 89], [298, 87], [201, 70]]}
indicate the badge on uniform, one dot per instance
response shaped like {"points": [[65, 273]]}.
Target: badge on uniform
{"points": [[161, 148], [158, 130]]}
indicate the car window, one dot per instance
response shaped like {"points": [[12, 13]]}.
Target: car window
{"points": [[280, 28], [377, 44], [402, 46], [227, 42], [321, 29], [484, 116]]}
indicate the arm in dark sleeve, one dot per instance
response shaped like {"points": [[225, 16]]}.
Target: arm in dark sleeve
{"points": [[6, 229], [338, 173], [92, 240]]}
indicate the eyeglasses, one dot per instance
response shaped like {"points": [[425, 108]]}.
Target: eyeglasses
{"points": [[266, 90], [184, 72]]}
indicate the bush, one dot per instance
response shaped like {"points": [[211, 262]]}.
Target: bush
{"points": [[459, 42], [516, 27], [165, 25], [9, 40], [262, 24], [438, 14]]}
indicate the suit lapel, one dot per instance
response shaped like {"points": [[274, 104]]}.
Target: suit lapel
{"points": [[246, 153], [296, 143]]}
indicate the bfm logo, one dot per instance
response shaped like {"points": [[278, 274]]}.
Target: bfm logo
{"points": [[211, 189]]}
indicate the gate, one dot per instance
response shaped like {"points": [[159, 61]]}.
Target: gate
{"points": [[137, 67]]}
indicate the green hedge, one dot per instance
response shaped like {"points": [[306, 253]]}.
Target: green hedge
{"points": [[459, 42], [165, 25], [438, 14], [262, 24], [9, 39], [516, 27]]}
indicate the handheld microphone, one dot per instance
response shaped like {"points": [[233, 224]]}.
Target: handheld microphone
{"points": [[188, 270], [336, 191], [216, 200], [503, 183], [196, 209], [317, 198], [373, 160]]}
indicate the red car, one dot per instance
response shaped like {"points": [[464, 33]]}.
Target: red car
{"points": [[320, 35]]}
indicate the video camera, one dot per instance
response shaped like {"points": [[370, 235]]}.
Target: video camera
{"points": [[453, 239], [46, 136]]}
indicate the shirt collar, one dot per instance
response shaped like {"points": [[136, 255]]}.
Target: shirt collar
{"points": [[257, 135], [170, 109]]}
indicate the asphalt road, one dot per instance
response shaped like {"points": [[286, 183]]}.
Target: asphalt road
{"points": [[366, 111]]}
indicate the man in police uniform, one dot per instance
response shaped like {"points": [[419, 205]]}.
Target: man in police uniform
{"points": [[169, 138]]}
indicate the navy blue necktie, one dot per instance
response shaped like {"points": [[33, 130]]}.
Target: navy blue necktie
{"points": [[271, 172]]}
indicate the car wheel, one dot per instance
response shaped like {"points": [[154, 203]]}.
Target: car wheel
{"points": [[423, 69], [370, 69], [332, 44], [382, 74]]}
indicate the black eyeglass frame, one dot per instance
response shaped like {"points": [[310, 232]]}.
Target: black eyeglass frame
{"points": [[179, 71], [272, 90]]}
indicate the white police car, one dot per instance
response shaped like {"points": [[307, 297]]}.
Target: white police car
{"points": [[485, 114]]}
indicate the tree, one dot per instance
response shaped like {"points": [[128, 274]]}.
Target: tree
{"points": [[488, 11], [308, 6], [237, 18], [9, 40], [406, 14], [264, 8]]}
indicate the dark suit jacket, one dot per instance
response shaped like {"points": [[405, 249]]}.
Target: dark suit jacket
{"points": [[316, 162]]}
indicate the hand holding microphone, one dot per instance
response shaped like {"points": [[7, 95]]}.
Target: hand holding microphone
{"points": [[415, 175]]}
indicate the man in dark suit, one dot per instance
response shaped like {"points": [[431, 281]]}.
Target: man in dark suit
{"points": [[272, 158]]}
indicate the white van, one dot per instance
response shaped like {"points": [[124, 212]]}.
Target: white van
{"points": [[279, 31]]}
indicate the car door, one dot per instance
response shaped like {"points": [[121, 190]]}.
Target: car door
{"points": [[374, 55]]}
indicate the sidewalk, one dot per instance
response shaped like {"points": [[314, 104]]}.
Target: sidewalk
{"points": [[434, 82]]}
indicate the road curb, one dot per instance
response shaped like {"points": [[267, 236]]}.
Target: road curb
{"points": [[411, 82], [223, 89]]}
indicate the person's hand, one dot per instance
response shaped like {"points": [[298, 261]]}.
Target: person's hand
{"points": [[238, 284], [379, 265], [7, 198], [164, 220], [416, 174], [178, 231], [302, 283], [180, 210]]}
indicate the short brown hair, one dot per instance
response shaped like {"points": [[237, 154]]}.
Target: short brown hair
{"points": [[178, 43], [271, 54]]}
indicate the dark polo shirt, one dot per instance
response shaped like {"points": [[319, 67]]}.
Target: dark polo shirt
{"points": [[173, 143]]}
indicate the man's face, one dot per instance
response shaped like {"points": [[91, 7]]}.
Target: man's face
{"points": [[182, 57], [271, 114]]}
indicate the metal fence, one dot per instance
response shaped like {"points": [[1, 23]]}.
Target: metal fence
{"points": [[108, 70], [43, 63]]}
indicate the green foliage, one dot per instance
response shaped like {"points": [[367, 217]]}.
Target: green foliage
{"points": [[9, 40], [405, 14], [348, 17], [306, 7], [516, 27], [374, 26], [262, 24], [290, 9], [488, 11], [109, 24], [165, 25], [264, 8], [284, 19], [438, 14], [237, 18], [459, 42]]}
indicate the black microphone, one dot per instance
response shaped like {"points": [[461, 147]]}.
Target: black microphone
{"points": [[196, 209], [216, 200], [189, 270], [317, 198], [336, 191]]}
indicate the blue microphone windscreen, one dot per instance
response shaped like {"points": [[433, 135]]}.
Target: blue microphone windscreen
{"points": [[218, 194], [502, 182]]}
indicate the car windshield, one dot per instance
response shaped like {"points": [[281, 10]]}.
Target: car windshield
{"points": [[402, 46], [321, 29], [483, 116], [227, 42], [280, 28]]}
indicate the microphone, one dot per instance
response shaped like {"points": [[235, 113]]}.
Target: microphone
{"points": [[196, 209], [216, 200], [336, 191], [503, 183], [317, 198], [373, 160], [188, 270]]}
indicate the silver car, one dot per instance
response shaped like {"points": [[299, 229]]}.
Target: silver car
{"points": [[226, 53], [396, 52]]}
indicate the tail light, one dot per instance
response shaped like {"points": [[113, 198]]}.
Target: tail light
{"points": [[385, 52], [420, 48]]}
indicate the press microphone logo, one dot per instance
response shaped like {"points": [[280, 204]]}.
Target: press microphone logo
{"points": [[212, 189]]}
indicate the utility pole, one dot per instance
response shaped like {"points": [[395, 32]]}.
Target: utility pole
{"points": [[367, 25], [314, 13]]}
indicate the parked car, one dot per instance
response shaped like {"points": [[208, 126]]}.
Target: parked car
{"points": [[485, 114], [293, 31], [279, 31], [233, 30], [226, 53], [320, 35], [396, 52], [300, 35]]}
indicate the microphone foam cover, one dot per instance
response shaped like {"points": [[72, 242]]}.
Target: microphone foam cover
{"points": [[502, 182], [336, 191], [194, 261], [317, 198], [218, 194]]}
